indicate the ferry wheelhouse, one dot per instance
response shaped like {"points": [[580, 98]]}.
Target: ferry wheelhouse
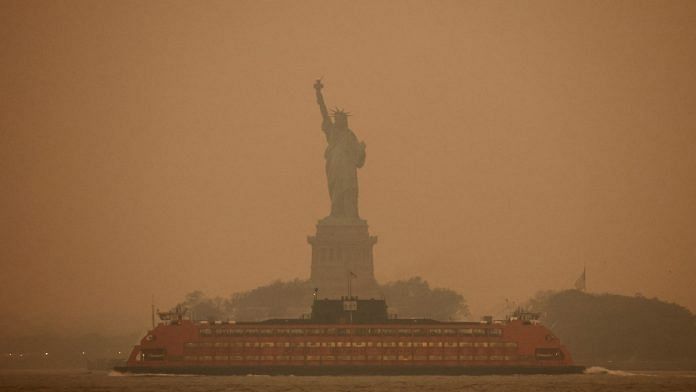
{"points": [[349, 336]]}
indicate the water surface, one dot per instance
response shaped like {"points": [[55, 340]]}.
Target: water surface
{"points": [[595, 379]]}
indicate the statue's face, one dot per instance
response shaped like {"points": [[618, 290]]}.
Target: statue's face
{"points": [[341, 122]]}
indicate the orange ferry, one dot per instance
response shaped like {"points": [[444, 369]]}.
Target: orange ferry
{"points": [[349, 336]]}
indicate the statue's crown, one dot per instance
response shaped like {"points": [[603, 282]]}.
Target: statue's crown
{"points": [[337, 112]]}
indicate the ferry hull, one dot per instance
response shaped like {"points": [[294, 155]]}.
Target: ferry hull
{"points": [[352, 370], [327, 345]]}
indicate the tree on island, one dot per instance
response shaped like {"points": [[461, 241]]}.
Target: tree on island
{"points": [[620, 329], [290, 299], [415, 298]]}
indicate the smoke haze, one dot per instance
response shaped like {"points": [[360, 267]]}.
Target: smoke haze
{"points": [[163, 147]]}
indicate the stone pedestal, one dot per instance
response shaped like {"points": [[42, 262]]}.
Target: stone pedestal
{"points": [[339, 248]]}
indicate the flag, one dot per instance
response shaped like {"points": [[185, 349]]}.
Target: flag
{"points": [[352, 275], [580, 284]]}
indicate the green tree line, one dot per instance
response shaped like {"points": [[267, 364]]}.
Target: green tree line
{"points": [[610, 328], [290, 299]]}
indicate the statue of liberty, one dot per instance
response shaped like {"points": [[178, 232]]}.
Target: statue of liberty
{"points": [[344, 155]]}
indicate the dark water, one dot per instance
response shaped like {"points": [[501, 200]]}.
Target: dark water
{"points": [[596, 379]]}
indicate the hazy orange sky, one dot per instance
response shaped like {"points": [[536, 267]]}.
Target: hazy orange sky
{"points": [[162, 147]]}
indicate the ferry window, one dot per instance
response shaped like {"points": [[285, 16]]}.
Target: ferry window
{"points": [[236, 358], [466, 357], [251, 331], [328, 358], [297, 358], [156, 354], [221, 358], [420, 344], [481, 344], [450, 357], [331, 331], [205, 358], [435, 357], [205, 332], [389, 357], [466, 331], [548, 354], [389, 332], [205, 344], [373, 331], [297, 331], [435, 332], [450, 344], [449, 332], [418, 332], [361, 331], [405, 332], [343, 331], [481, 357], [495, 332], [358, 344], [251, 344], [316, 331], [389, 344], [404, 344], [405, 358], [434, 344], [497, 357], [282, 332], [252, 357], [221, 344], [267, 344], [265, 332], [510, 358], [283, 357], [237, 344], [237, 331], [511, 344], [479, 331], [344, 357], [466, 344], [267, 358], [420, 357], [497, 344]]}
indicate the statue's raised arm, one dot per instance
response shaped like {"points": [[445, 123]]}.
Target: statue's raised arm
{"points": [[322, 106]]}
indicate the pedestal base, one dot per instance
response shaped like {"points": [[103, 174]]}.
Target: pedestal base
{"points": [[342, 247]]}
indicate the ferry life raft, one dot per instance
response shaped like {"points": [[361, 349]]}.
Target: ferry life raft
{"points": [[349, 336]]}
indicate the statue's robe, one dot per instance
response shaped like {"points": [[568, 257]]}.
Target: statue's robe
{"points": [[344, 155]]}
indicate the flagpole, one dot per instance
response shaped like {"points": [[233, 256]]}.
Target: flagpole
{"points": [[350, 284]]}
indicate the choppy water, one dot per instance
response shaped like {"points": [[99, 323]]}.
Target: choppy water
{"points": [[595, 379]]}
